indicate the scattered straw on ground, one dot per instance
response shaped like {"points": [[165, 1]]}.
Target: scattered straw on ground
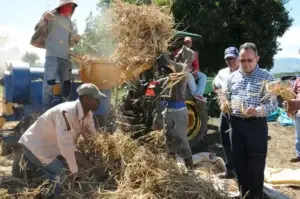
{"points": [[135, 171]]}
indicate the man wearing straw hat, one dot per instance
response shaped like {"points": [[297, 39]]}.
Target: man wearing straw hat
{"points": [[197, 89], [50, 141], [175, 116], [55, 32], [250, 106], [231, 58]]}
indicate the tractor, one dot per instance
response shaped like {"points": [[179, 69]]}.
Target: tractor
{"points": [[142, 101]]}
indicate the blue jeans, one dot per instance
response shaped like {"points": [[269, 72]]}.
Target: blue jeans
{"points": [[55, 168], [197, 89], [297, 133], [56, 67]]}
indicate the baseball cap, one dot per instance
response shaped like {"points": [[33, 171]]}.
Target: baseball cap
{"points": [[187, 39], [90, 90], [231, 52]]}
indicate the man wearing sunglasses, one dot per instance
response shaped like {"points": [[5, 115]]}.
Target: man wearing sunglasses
{"points": [[249, 107], [231, 58]]}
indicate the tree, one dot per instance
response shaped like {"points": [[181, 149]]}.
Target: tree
{"points": [[97, 40], [31, 58], [228, 23], [232, 23]]}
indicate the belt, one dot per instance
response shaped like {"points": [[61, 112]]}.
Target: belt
{"points": [[175, 110], [248, 118]]}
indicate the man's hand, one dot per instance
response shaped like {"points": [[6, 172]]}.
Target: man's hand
{"points": [[251, 111], [81, 161], [290, 105]]}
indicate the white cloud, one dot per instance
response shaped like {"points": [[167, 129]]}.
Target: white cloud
{"points": [[290, 43]]}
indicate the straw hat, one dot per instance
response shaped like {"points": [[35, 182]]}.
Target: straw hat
{"points": [[64, 2]]}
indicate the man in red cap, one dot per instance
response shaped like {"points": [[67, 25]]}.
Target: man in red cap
{"points": [[56, 33], [197, 89]]}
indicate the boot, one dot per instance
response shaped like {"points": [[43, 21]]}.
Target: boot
{"points": [[189, 163]]}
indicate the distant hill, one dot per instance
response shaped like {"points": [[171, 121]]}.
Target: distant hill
{"points": [[286, 65]]}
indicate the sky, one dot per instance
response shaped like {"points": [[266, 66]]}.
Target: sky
{"points": [[18, 18]]}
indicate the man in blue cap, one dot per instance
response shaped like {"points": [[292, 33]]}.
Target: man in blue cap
{"points": [[231, 58]]}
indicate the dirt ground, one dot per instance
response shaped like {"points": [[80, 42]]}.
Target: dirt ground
{"points": [[280, 151], [281, 148]]}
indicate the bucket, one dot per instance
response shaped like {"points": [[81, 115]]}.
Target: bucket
{"points": [[102, 73]]}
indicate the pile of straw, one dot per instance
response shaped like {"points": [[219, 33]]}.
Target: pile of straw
{"points": [[135, 171], [142, 32]]}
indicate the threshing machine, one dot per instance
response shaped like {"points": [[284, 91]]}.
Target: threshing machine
{"points": [[22, 92]]}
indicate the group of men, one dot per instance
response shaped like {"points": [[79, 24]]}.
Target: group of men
{"points": [[244, 131]]}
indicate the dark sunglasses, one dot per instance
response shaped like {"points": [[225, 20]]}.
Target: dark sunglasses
{"points": [[230, 59], [247, 60]]}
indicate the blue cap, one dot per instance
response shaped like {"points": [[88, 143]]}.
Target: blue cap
{"points": [[231, 52]]}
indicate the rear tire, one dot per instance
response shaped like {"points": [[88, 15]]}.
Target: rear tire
{"points": [[198, 118]]}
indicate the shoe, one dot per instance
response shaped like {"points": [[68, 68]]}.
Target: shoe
{"points": [[296, 159], [227, 175]]}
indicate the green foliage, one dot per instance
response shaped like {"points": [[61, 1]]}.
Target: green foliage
{"points": [[232, 23], [97, 40], [31, 58], [221, 24]]}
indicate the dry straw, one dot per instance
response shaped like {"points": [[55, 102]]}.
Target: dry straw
{"points": [[281, 89], [137, 169], [142, 32]]}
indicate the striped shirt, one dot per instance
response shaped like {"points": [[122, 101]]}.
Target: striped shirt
{"points": [[244, 91]]}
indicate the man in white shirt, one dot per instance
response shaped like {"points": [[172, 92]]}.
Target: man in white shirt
{"points": [[55, 133], [220, 81]]}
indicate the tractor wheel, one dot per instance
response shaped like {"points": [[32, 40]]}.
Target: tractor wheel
{"points": [[197, 126]]}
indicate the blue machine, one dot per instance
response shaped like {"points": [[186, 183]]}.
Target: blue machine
{"points": [[23, 86]]}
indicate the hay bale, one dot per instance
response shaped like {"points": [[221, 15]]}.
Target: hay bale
{"points": [[142, 32]]}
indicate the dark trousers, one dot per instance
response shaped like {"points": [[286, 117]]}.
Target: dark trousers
{"points": [[249, 142], [225, 139]]}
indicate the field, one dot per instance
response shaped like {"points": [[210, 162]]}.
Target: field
{"points": [[280, 151], [281, 148]]}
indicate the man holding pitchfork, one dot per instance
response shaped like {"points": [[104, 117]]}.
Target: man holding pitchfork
{"points": [[55, 32]]}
